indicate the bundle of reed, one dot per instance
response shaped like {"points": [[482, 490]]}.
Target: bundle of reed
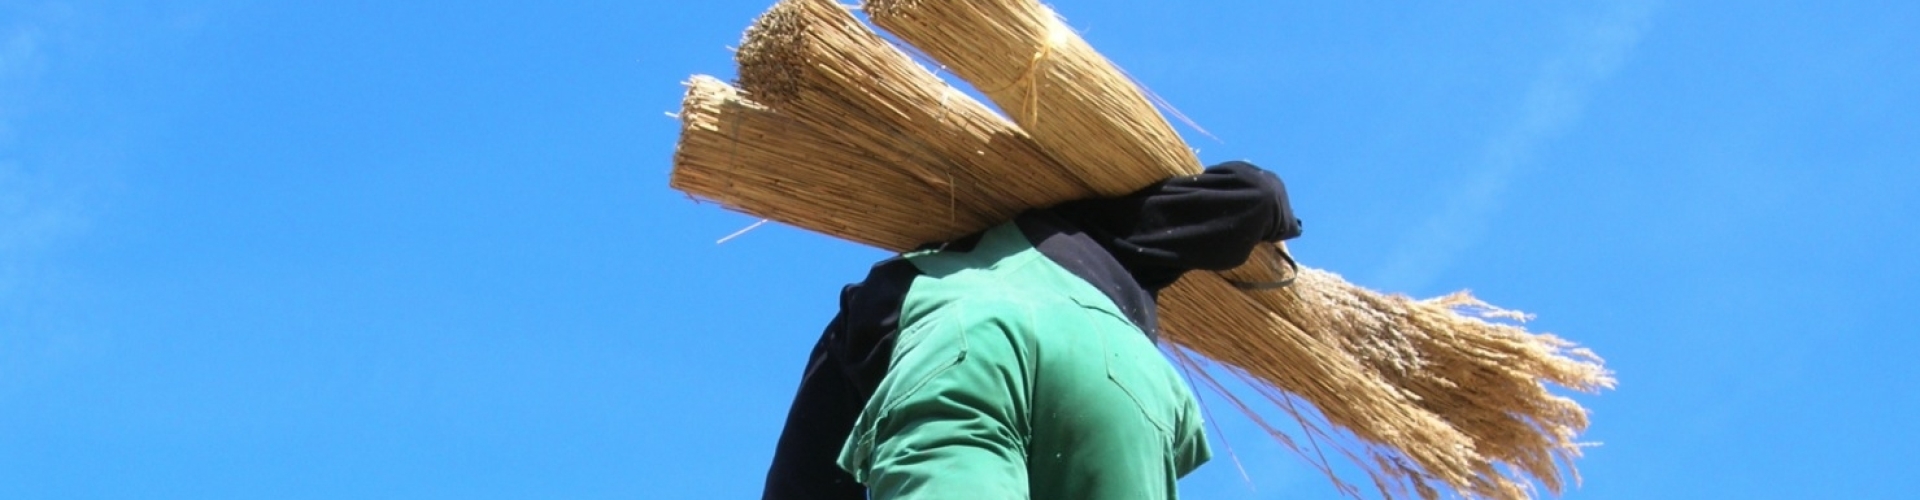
{"points": [[1482, 378], [1049, 81], [1457, 359], [755, 160], [814, 61], [817, 178], [1203, 312], [859, 142], [1070, 99]]}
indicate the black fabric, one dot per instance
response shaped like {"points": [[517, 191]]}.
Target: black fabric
{"points": [[872, 311], [1065, 244], [1209, 221], [1129, 248], [846, 367], [823, 413], [1132, 246]]}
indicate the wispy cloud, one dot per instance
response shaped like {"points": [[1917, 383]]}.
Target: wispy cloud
{"points": [[44, 198], [20, 66], [34, 209], [34, 212], [1553, 103]]}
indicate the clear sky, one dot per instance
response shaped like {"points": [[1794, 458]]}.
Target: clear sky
{"points": [[350, 249]]}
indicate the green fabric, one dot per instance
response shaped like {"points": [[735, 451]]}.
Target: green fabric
{"points": [[1013, 378]]}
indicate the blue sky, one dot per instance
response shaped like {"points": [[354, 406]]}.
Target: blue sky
{"points": [[426, 249]]}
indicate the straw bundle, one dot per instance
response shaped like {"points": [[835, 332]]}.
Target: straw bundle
{"points": [[759, 161], [1450, 365], [1206, 314], [813, 179], [1076, 104], [857, 141], [814, 61], [1050, 82], [1483, 377]]}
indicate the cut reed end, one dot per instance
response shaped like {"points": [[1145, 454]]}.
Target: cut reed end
{"points": [[769, 49], [705, 95], [888, 8], [706, 92]]}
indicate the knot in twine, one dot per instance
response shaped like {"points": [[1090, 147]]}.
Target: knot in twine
{"points": [[1057, 34]]}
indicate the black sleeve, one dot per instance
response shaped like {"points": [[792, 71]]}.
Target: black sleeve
{"points": [[1209, 221], [823, 412], [846, 367]]}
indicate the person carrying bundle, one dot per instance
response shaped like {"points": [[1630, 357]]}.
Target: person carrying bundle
{"points": [[1020, 362]]}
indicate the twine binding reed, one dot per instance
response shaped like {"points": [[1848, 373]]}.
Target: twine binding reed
{"points": [[838, 131]]}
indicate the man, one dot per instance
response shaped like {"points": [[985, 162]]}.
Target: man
{"points": [[1020, 362]]}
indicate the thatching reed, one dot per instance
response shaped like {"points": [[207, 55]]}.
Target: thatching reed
{"points": [[810, 177], [1050, 82], [853, 139], [1206, 314], [1451, 365], [1074, 103], [1463, 361], [816, 62], [753, 159], [759, 161]]}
